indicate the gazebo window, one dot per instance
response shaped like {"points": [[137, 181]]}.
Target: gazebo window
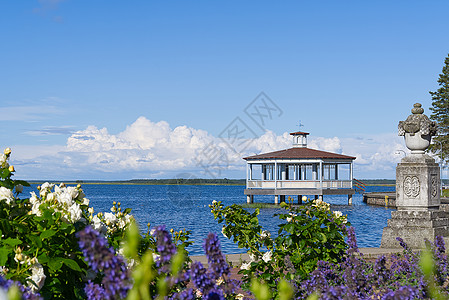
{"points": [[330, 172]]}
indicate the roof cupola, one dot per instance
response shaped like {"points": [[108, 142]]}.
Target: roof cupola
{"points": [[299, 139]]}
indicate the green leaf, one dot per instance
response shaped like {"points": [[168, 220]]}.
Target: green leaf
{"points": [[12, 242], [55, 264], [71, 264], [36, 240], [4, 256], [48, 233]]}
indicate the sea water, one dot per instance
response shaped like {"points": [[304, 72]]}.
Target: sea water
{"points": [[187, 207]]}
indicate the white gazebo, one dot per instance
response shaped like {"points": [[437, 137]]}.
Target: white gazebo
{"points": [[299, 171]]}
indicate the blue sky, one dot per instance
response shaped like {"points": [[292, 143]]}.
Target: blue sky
{"points": [[144, 89]]}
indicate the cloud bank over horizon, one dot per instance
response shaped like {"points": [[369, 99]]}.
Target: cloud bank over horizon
{"points": [[147, 149]]}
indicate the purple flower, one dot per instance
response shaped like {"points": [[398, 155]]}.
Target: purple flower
{"points": [[217, 262], [200, 277], [165, 248], [27, 294], [352, 241], [101, 258]]}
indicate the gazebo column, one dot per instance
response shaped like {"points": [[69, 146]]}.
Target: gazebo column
{"points": [[336, 171], [314, 172], [321, 174], [283, 171]]}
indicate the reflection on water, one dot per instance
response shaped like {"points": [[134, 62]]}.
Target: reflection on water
{"points": [[182, 206]]}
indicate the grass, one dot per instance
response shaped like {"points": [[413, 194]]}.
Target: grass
{"points": [[445, 193]]}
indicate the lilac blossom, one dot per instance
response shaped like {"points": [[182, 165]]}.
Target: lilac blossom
{"points": [[165, 248], [27, 294], [101, 258]]}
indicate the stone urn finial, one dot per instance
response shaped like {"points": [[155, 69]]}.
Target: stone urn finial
{"points": [[417, 130]]}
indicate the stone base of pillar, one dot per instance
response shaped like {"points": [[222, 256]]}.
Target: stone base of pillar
{"points": [[282, 198], [299, 199], [349, 199], [249, 199], [276, 199], [414, 227]]}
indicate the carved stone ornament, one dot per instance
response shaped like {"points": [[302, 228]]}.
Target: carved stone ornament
{"points": [[411, 186], [434, 185], [417, 130]]}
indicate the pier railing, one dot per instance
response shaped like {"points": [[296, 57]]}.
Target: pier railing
{"points": [[299, 184]]}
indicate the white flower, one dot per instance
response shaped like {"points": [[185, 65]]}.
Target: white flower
{"points": [[245, 266], [98, 225], [37, 276], [222, 231], [73, 191], [110, 218], [265, 234], [47, 186], [240, 297], [214, 202], [156, 257], [65, 199], [4, 161], [50, 197], [86, 201], [6, 195], [75, 213], [252, 257], [289, 219], [267, 256], [35, 209], [91, 210], [34, 199], [337, 214]]}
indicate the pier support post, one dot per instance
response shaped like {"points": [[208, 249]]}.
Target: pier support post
{"points": [[320, 197], [276, 199], [282, 198], [299, 199], [249, 199], [349, 199]]}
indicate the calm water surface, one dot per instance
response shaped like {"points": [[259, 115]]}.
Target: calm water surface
{"points": [[185, 206]]}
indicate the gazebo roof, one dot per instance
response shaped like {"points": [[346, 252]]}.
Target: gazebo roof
{"points": [[299, 153], [299, 133]]}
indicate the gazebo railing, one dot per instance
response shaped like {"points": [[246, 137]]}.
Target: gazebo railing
{"points": [[299, 184]]}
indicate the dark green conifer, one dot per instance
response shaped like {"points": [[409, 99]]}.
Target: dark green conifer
{"points": [[440, 114]]}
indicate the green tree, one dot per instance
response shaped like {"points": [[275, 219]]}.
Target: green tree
{"points": [[440, 114]]}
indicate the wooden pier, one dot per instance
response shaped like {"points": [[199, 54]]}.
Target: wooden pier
{"points": [[388, 199]]}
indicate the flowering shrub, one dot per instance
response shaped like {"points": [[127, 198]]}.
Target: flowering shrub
{"points": [[402, 276], [38, 242], [311, 233]]}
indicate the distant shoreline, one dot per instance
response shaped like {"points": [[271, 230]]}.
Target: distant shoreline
{"points": [[181, 181]]}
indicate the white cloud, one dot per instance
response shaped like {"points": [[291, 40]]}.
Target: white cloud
{"points": [[151, 149]]}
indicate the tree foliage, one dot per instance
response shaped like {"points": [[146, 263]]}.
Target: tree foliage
{"points": [[440, 114]]}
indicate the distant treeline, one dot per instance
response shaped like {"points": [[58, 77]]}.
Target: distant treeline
{"points": [[193, 181]]}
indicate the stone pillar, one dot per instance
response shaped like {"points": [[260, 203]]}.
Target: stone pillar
{"points": [[349, 199], [417, 188], [276, 199], [299, 199], [249, 199]]}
